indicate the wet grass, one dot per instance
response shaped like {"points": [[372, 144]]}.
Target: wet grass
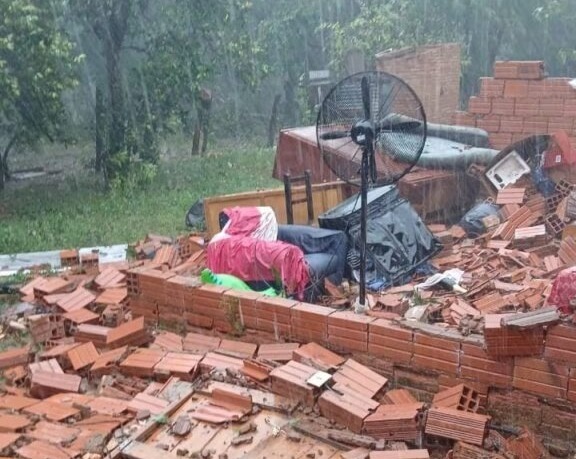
{"points": [[72, 210]]}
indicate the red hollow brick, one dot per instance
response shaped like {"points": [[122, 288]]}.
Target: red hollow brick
{"points": [[503, 107], [479, 106], [516, 89], [551, 107], [490, 87], [391, 354], [490, 123]]}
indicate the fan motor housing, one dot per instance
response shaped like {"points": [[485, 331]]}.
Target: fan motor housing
{"points": [[362, 132]]}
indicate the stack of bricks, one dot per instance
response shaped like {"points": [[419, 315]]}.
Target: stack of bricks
{"points": [[309, 322], [504, 341], [348, 331], [390, 341], [211, 310], [436, 353], [147, 289], [270, 315], [520, 101], [541, 377]]}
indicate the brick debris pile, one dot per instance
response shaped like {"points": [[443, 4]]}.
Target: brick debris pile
{"points": [[99, 379]]}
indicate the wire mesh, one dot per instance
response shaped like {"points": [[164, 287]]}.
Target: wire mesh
{"points": [[397, 117]]}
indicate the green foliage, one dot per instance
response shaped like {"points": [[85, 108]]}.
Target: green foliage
{"points": [[130, 174], [37, 63], [73, 211]]}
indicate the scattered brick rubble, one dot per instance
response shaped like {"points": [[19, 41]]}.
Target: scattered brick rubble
{"points": [[96, 388], [139, 360]]}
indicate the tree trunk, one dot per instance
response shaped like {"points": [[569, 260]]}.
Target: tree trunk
{"points": [[4, 171], [100, 130], [202, 125], [117, 125], [1, 175], [273, 124]]}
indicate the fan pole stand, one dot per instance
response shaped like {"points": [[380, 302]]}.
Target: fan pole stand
{"points": [[360, 308]]}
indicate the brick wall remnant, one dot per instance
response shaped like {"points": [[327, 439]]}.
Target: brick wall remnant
{"points": [[432, 71], [520, 101]]}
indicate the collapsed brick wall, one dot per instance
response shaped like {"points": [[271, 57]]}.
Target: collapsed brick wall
{"points": [[519, 101], [433, 72], [538, 391]]}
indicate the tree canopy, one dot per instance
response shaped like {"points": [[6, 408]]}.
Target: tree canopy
{"points": [[37, 63], [232, 68]]}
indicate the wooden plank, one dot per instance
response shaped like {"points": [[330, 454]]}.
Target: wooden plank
{"points": [[324, 196]]}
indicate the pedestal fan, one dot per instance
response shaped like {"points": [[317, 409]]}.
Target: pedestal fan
{"points": [[371, 130]]}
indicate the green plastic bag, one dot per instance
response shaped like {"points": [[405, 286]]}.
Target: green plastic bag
{"points": [[227, 280]]}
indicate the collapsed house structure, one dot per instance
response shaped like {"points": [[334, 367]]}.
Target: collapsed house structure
{"points": [[140, 358]]}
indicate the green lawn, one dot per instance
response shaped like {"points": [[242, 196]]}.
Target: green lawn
{"points": [[72, 210]]}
